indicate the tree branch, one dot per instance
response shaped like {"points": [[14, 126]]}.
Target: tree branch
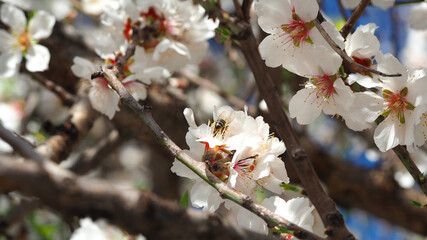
{"points": [[59, 146], [331, 217], [200, 168], [344, 55], [412, 168], [351, 22], [132, 210]]}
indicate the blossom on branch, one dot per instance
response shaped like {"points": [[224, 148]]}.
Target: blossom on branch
{"points": [[172, 33], [404, 103], [135, 78], [239, 150], [22, 40], [362, 46], [293, 39], [296, 210]]}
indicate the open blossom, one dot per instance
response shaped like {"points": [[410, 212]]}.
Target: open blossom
{"points": [[239, 150], [293, 39], [404, 103], [326, 92], [100, 230], [296, 210], [136, 78], [172, 33], [58, 8], [362, 46], [22, 40]]}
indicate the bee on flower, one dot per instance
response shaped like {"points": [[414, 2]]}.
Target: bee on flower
{"points": [[238, 149]]}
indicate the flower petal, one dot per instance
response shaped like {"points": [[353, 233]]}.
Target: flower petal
{"points": [[38, 58], [137, 89], [272, 14], [307, 10], [103, 99], [9, 62], [305, 106], [13, 17], [83, 68], [41, 25]]}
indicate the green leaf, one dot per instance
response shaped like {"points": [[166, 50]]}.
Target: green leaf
{"points": [[184, 201]]}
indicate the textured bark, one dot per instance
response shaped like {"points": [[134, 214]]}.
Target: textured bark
{"points": [[134, 211]]}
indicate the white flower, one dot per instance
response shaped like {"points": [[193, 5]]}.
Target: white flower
{"points": [[327, 93], [417, 18], [10, 117], [404, 102], [100, 230], [106, 100], [362, 46], [295, 210], [95, 7], [172, 33], [238, 149], [58, 8], [293, 39], [22, 40], [384, 4]]}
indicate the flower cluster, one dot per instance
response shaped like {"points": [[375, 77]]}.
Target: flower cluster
{"points": [[172, 33], [240, 151], [360, 98]]}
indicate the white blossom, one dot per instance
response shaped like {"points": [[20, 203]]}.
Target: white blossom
{"points": [[238, 149], [100, 230], [58, 8], [363, 46], [22, 40], [404, 103], [296, 210], [293, 39], [172, 33], [106, 100]]}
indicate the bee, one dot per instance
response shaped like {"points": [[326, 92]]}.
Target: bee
{"points": [[218, 159], [220, 126]]}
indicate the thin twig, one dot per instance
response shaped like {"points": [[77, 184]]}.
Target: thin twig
{"points": [[198, 167], [351, 22], [344, 55], [19, 145], [92, 157], [412, 168], [407, 2], [67, 98]]}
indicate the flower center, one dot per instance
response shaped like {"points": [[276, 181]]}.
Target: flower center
{"points": [[324, 85], [155, 29], [367, 62], [397, 104], [245, 165], [296, 31], [24, 41]]}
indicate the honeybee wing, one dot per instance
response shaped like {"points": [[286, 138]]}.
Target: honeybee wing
{"points": [[227, 116]]}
